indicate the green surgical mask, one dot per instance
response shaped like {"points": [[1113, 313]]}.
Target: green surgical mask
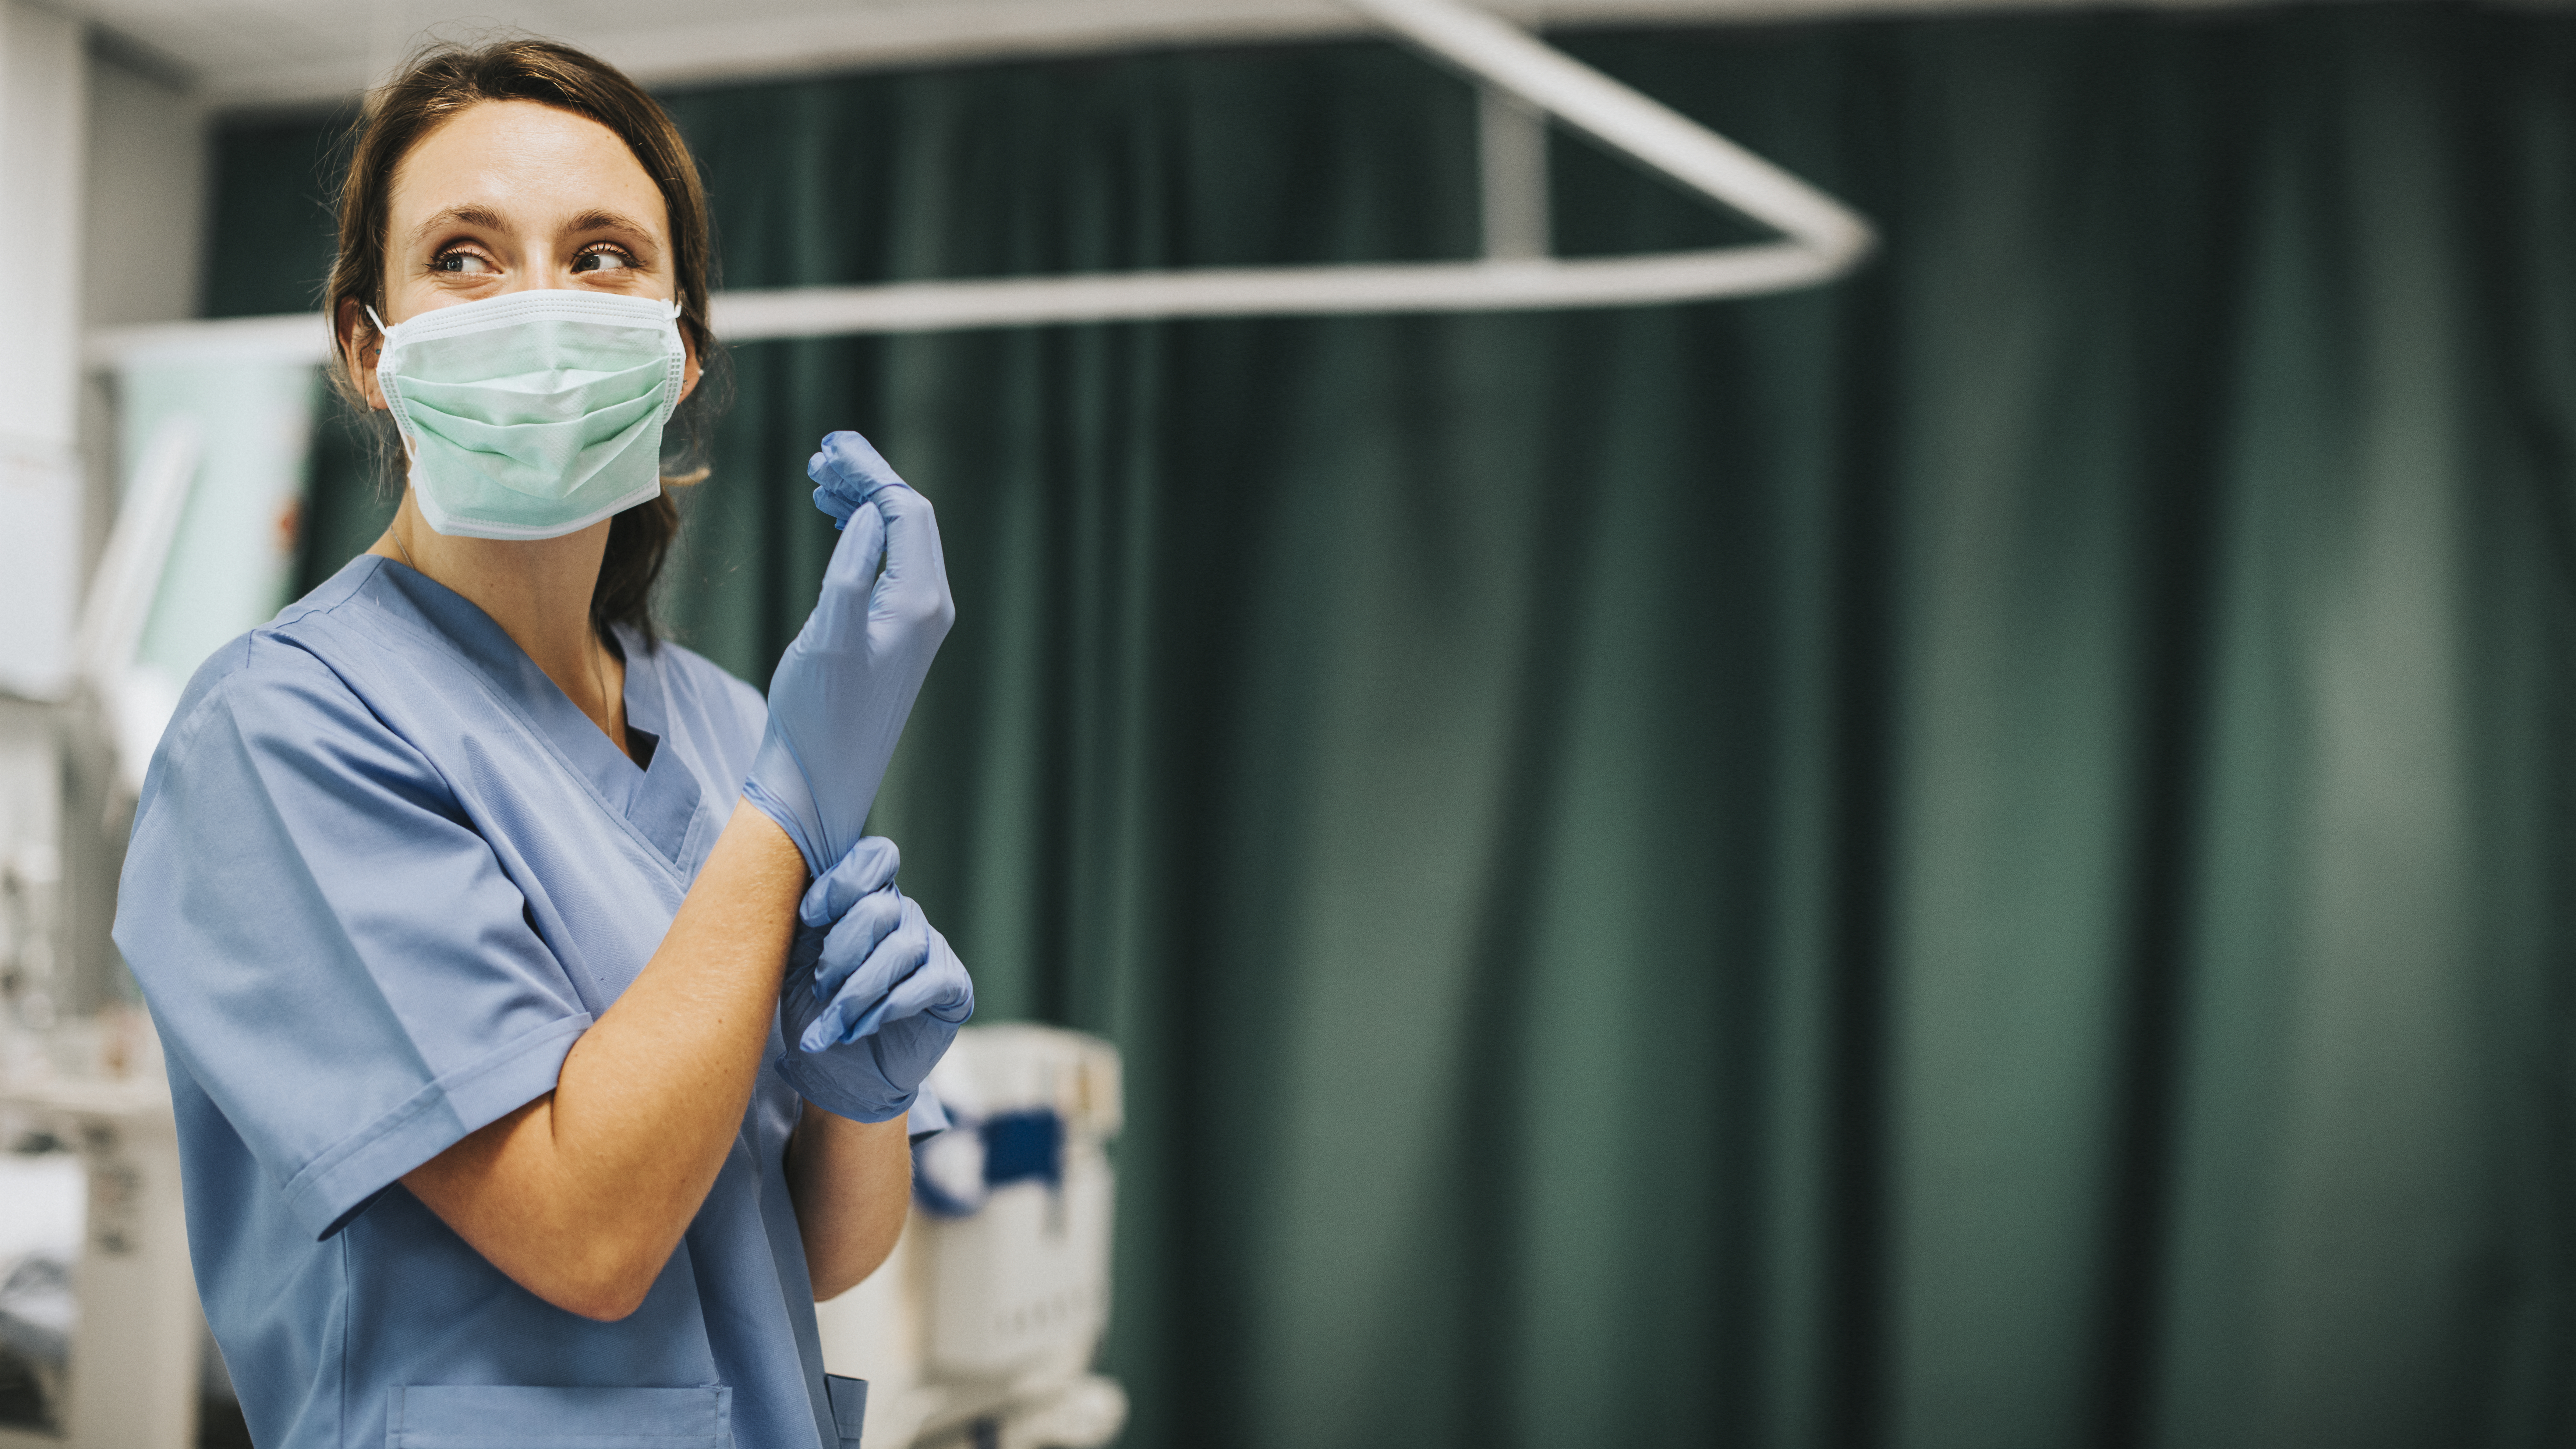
{"points": [[532, 414]]}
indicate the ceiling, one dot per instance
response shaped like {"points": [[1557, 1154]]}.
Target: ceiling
{"points": [[242, 53]]}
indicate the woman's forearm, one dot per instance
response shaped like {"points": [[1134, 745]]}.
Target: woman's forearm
{"points": [[852, 1184], [581, 1195]]}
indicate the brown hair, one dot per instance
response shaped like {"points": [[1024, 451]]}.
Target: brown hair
{"points": [[444, 79]]}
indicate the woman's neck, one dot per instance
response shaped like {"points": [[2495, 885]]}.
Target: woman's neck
{"points": [[538, 591]]}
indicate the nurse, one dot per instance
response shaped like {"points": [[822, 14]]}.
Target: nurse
{"points": [[544, 1036]]}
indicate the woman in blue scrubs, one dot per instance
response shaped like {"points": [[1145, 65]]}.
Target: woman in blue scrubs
{"points": [[463, 903]]}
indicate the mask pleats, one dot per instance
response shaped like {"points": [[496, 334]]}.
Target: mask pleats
{"points": [[536, 413]]}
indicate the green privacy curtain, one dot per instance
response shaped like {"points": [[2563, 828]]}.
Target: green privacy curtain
{"points": [[1980, 857]]}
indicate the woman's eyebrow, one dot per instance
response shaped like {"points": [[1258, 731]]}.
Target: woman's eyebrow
{"points": [[608, 221], [467, 215]]}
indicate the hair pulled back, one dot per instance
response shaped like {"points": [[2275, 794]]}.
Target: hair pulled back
{"points": [[434, 85]]}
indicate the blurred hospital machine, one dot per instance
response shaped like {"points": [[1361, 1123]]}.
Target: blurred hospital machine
{"points": [[979, 1330], [151, 473]]}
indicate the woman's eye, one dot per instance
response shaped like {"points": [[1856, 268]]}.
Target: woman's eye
{"points": [[603, 260], [468, 263]]}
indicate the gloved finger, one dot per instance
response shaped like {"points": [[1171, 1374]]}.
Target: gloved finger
{"points": [[833, 504], [855, 559], [906, 1050], [850, 469], [828, 499], [837, 1027], [940, 987], [868, 868], [855, 937], [804, 952], [916, 571], [859, 1005]]}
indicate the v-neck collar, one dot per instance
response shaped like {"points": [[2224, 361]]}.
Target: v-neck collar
{"points": [[659, 799]]}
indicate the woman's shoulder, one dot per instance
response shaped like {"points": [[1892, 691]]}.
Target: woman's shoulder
{"points": [[270, 672], [269, 693], [278, 692], [362, 642], [285, 659]]}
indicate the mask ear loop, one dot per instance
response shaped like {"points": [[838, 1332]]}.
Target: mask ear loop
{"points": [[679, 365], [384, 335]]}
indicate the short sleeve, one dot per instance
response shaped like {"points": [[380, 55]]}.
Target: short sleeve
{"points": [[326, 944], [929, 1116]]}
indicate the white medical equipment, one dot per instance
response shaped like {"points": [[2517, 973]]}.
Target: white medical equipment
{"points": [[137, 1340], [980, 1329], [982, 1325]]}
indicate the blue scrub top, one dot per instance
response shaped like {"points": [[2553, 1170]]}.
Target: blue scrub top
{"points": [[383, 875]]}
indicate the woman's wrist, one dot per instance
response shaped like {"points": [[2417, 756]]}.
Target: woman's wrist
{"points": [[770, 848]]}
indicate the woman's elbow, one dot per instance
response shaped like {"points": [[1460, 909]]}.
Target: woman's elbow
{"points": [[601, 1303], [601, 1285], [851, 1266]]}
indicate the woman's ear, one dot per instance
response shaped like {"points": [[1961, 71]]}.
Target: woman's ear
{"points": [[688, 372], [359, 344]]}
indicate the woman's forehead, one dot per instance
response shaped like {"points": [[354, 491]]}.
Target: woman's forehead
{"points": [[520, 164]]}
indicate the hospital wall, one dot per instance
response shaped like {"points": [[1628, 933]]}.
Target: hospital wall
{"points": [[1976, 857], [102, 174]]}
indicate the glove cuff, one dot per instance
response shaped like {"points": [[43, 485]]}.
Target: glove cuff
{"points": [[777, 789], [819, 1089]]}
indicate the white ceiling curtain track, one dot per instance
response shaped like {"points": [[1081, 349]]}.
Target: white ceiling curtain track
{"points": [[1525, 82]]}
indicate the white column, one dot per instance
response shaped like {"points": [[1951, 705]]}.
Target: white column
{"points": [[44, 124]]}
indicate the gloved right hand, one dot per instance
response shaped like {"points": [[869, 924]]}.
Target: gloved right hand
{"points": [[846, 684], [873, 995]]}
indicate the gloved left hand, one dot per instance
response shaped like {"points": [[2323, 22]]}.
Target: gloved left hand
{"points": [[873, 994], [841, 692]]}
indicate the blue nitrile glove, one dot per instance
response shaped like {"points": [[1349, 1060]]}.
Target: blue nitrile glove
{"points": [[846, 684], [873, 995], [845, 473]]}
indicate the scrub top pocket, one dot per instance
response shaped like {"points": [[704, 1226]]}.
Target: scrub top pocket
{"points": [[510, 1416], [849, 1406]]}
